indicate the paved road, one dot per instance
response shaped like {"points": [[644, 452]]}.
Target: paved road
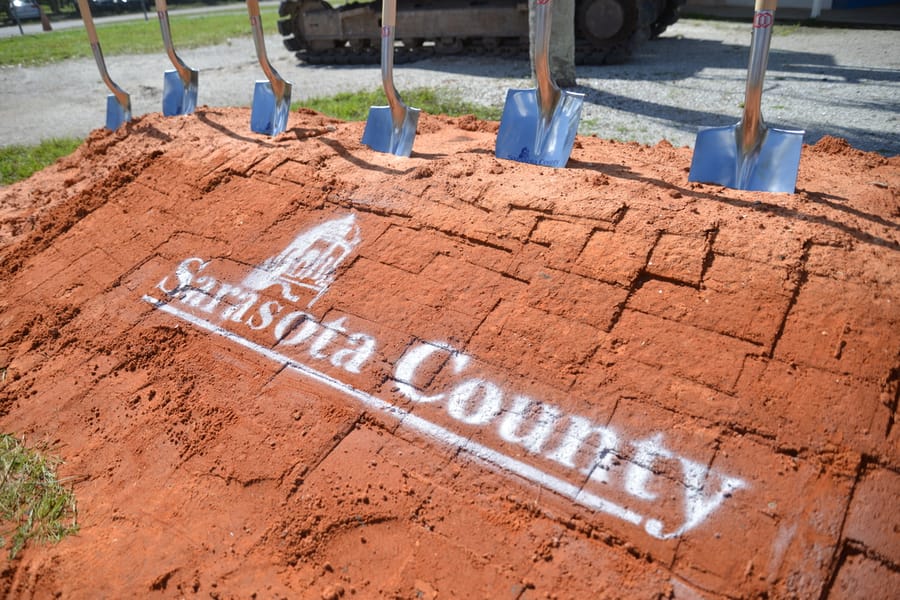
{"points": [[35, 27], [843, 82]]}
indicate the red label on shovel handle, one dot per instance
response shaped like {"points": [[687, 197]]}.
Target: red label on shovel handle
{"points": [[386, 31], [543, 2], [763, 19]]}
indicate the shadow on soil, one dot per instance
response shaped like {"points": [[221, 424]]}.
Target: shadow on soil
{"points": [[833, 202]]}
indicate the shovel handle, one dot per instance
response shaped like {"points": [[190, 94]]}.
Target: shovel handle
{"points": [[85, 10], [259, 40], [752, 126], [548, 92], [389, 13], [88, 19], [388, 25]]}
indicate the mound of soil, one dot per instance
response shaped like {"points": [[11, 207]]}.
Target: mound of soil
{"points": [[297, 368]]}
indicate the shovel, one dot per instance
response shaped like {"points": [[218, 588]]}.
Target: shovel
{"points": [[749, 155], [118, 104], [538, 126], [390, 129], [179, 84], [272, 98]]}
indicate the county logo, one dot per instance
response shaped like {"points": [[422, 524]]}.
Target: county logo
{"points": [[590, 463], [309, 262]]}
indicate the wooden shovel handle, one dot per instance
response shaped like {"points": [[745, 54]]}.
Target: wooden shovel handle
{"points": [[88, 19], [765, 5], [389, 13]]}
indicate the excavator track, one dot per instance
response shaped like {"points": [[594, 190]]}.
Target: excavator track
{"points": [[349, 55], [607, 31]]}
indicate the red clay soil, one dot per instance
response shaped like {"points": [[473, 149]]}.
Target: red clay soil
{"points": [[297, 368]]}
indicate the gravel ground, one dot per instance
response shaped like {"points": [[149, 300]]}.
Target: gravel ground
{"points": [[842, 82]]}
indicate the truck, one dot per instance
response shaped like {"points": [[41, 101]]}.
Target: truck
{"points": [[606, 31]]}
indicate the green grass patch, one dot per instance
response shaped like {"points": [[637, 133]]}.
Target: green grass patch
{"points": [[20, 162], [131, 37], [34, 504], [354, 106], [786, 29]]}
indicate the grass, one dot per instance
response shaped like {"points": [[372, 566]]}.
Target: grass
{"points": [[786, 29], [34, 504], [354, 106], [132, 37], [20, 162]]}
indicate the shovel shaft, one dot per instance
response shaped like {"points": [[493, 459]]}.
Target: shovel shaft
{"points": [[388, 23], [88, 19], [547, 91], [259, 40], [752, 125], [162, 11], [120, 94]]}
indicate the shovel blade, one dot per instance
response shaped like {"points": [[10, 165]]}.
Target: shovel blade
{"points": [[116, 113], [381, 135], [772, 168], [269, 114], [526, 136], [178, 98]]}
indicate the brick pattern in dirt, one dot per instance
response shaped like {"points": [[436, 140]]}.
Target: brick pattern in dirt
{"points": [[721, 367]]}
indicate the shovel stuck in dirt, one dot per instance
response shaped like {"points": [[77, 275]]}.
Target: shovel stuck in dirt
{"points": [[180, 83], [749, 155], [272, 98], [390, 129], [118, 103], [538, 126]]}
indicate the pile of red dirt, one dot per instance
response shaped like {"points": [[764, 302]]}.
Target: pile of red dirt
{"points": [[297, 368]]}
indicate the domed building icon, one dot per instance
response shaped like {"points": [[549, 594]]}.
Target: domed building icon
{"points": [[309, 262]]}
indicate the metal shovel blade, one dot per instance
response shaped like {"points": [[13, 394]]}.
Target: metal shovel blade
{"points": [[381, 135], [772, 167], [538, 126], [179, 98], [527, 136], [750, 155], [117, 112], [269, 114]]}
